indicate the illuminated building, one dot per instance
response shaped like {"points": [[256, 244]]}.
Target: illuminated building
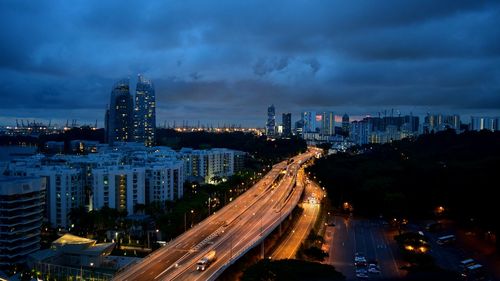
{"points": [[144, 112], [118, 187], [287, 124], [271, 122], [21, 215], [119, 119]]}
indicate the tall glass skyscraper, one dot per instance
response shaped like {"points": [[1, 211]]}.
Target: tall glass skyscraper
{"points": [[144, 112], [271, 121], [119, 119], [287, 124]]}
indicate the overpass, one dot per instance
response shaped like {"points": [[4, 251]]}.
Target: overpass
{"points": [[231, 232]]}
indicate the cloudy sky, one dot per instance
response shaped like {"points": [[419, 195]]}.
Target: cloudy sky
{"points": [[226, 61]]}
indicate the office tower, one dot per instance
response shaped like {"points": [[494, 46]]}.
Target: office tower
{"points": [[309, 118], [327, 123], [271, 121], [299, 128], [287, 124], [21, 216], [120, 117], [345, 124], [144, 112]]}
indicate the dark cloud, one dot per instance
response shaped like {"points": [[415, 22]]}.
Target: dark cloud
{"points": [[227, 60]]}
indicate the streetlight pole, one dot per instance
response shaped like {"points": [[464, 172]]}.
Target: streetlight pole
{"points": [[209, 205], [192, 218]]}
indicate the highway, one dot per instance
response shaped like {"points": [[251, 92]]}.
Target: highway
{"points": [[291, 243], [231, 231]]}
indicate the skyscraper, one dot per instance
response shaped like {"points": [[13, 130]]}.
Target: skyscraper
{"points": [[327, 123], [287, 124], [309, 118], [345, 124], [271, 121], [144, 112], [120, 117]]}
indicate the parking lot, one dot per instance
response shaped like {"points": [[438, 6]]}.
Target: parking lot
{"points": [[357, 239]]}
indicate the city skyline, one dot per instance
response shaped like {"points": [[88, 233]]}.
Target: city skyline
{"points": [[238, 58]]}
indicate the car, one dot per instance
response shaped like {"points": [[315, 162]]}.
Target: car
{"points": [[359, 258], [360, 263], [372, 268], [362, 275]]}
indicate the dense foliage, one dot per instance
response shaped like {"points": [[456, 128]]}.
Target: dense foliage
{"points": [[259, 147], [412, 178], [290, 270]]}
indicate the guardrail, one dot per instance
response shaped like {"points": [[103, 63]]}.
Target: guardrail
{"points": [[269, 229]]}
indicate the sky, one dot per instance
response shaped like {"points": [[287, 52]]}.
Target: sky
{"points": [[226, 61]]}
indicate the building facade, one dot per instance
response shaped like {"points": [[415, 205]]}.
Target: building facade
{"points": [[485, 123], [327, 123], [144, 112], [164, 182], [119, 125], [345, 124], [287, 124], [309, 121], [21, 216], [271, 122], [119, 187]]}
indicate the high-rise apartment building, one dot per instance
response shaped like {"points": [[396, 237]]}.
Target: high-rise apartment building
{"points": [[119, 125], [118, 187], [21, 216], [164, 181], [440, 122], [287, 124], [485, 123], [144, 112]]}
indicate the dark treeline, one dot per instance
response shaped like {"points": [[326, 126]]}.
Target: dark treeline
{"points": [[412, 178], [290, 270], [257, 146]]}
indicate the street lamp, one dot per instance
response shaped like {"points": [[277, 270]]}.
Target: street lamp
{"points": [[192, 218]]}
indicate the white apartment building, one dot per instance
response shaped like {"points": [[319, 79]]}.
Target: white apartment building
{"points": [[118, 187], [208, 164], [64, 190], [164, 181]]}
